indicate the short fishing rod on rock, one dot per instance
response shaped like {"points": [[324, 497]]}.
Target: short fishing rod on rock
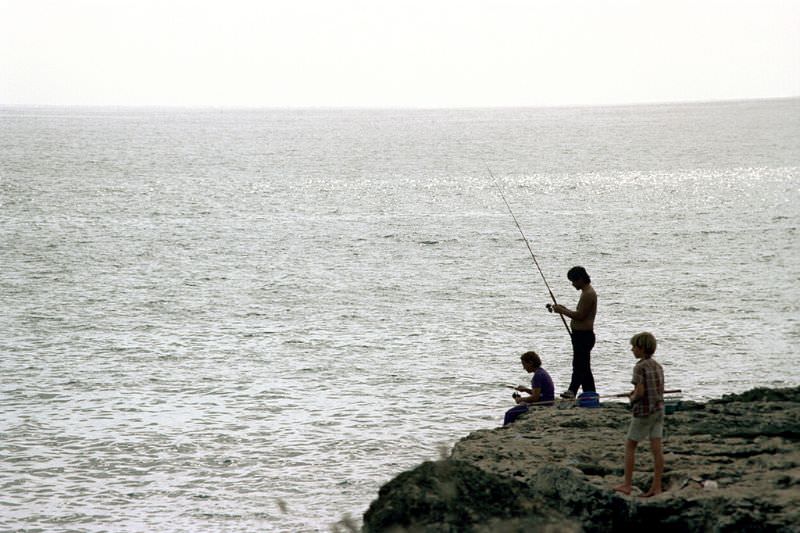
{"points": [[528, 244]]}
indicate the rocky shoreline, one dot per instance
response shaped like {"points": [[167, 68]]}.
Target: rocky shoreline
{"points": [[732, 464]]}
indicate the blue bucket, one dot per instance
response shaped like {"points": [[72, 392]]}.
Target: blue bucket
{"points": [[588, 399]]}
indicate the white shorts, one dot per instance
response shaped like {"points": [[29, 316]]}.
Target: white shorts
{"points": [[644, 427]]}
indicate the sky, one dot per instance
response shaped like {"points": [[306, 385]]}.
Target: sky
{"points": [[401, 53]]}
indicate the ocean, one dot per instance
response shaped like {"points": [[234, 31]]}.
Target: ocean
{"points": [[249, 320]]}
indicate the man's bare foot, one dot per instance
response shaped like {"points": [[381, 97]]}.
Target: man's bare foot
{"points": [[624, 489], [650, 493]]}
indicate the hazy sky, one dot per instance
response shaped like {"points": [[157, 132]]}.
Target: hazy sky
{"points": [[421, 53]]}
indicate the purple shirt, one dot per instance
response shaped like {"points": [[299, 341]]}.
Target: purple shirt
{"points": [[541, 380]]}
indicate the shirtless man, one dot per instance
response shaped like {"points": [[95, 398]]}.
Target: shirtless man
{"points": [[583, 339]]}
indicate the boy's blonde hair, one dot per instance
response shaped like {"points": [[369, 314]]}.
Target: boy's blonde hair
{"points": [[646, 341]]}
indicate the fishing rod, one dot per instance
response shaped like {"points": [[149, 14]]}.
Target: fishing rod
{"points": [[561, 401], [620, 395], [626, 394], [524, 238]]}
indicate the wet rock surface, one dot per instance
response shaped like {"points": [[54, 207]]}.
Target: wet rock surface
{"points": [[731, 464]]}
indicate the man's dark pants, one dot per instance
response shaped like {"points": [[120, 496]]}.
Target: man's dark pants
{"points": [[582, 344]]}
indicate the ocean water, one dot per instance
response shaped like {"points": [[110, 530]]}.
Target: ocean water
{"points": [[249, 320]]}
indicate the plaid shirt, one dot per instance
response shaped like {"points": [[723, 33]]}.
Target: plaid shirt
{"points": [[649, 372]]}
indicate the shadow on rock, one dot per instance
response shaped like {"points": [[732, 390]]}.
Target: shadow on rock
{"points": [[455, 496]]}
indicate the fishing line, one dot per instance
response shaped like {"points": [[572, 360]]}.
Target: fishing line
{"points": [[528, 244]]}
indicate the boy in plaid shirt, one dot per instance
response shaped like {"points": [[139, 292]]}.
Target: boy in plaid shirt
{"points": [[647, 401]]}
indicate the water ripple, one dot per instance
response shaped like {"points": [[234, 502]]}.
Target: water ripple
{"points": [[255, 334]]}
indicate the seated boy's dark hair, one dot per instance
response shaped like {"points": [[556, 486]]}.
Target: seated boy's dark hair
{"points": [[578, 272], [532, 357]]}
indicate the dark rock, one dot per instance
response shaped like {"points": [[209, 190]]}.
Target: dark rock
{"points": [[455, 496], [762, 394]]}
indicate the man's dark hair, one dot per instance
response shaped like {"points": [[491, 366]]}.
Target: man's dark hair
{"points": [[576, 273]]}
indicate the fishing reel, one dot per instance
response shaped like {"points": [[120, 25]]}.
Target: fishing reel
{"points": [[549, 307], [515, 395]]}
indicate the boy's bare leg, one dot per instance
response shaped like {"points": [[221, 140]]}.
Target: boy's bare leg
{"points": [[630, 459], [658, 470]]}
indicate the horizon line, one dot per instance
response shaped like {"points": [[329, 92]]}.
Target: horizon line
{"points": [[254, 107]]}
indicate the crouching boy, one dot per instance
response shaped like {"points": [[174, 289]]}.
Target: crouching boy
{"points": [[541, 391]]}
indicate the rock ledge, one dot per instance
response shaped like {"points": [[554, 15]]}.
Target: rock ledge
{"points": [[732, 465]]}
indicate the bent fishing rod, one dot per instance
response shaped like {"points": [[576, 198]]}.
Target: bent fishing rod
{"points": [[524, 238]]}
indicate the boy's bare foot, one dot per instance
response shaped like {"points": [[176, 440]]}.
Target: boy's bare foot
{"points": [[624, 489], [650, 493]]}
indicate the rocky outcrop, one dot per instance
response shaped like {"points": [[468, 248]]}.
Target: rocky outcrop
{"points": [[732, 464]]}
